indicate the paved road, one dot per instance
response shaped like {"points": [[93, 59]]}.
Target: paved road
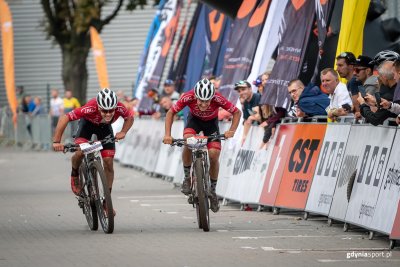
{"points": [[41, 225]]}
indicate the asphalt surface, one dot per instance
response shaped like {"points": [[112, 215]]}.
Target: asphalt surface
{"points": [[42, 225]]}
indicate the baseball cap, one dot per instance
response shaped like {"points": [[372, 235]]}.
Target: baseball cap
{"points": [[257, 82], [241, 84], [169, 82], [363, 61]]}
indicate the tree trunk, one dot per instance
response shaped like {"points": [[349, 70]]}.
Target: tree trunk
{"points": [[74, 72]]}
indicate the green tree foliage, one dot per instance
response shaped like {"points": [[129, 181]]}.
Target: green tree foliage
{"points": [[67, 23]]}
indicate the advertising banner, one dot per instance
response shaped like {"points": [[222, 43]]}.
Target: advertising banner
{"points": [[269, 39], [296, 27], [276, 165], [328, 167], [395, 234], [300, 166], [386, 208], [159, 47], [254, 179], [151, 145], [7, 40], [99, 58], [168, 157], [240, 52], [244, 169], [370, 174]]}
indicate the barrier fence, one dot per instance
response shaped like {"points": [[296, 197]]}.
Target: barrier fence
{"points": [[347, 172]]}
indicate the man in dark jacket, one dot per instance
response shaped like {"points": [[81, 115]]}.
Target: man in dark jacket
{"points": [[309, 101]]}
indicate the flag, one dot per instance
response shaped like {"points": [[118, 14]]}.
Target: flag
{"points": [[243, 39], [297, 22], [160, 47], [8, 56], [99, 58], [154, 27], [269, 39]]}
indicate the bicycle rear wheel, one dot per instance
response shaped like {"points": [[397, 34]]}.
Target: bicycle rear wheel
{"points": [[86, 198], [202, 204], [103, 199]]}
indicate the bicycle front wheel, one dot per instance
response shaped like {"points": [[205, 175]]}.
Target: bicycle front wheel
{"points": [[86, 200], [202, 204], [103, 197]]}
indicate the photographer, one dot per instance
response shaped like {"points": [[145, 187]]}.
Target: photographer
{"points": [[371, 109]]}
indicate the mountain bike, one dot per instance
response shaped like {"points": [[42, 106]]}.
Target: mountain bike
{"points": [[199, 174], [95, 197]]}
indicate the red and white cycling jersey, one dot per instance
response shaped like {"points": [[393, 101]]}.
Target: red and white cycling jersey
{"points": [[189, 99], [91, 112]]}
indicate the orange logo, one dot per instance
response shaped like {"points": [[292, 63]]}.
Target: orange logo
{"points": [[169, 34], [246, 8], [299, 3], [259, 14], [215, 26], [323, 2]]}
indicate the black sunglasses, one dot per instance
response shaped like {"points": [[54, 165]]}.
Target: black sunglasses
{"points": [[110, 111]]}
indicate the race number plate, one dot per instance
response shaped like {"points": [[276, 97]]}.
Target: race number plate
{"points": [[87, 148]]}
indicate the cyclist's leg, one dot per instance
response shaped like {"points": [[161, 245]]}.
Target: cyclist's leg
{"points": [[189, 131], [107, 153], [214, 150], [82, 135]]}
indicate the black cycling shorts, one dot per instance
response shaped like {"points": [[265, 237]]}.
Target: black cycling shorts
{"points": [[195, 125], [86, 129]]}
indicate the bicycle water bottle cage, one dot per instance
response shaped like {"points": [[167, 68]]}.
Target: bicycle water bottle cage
{"points": [[196, 142], [88, 148]]}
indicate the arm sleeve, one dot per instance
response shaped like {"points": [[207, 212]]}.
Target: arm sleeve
{"points": [[375, 118]]}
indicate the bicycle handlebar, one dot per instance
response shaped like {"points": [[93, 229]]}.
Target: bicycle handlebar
{"points": [[75, 147], [182, 142]]}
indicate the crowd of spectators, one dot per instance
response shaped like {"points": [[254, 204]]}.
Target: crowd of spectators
{"points": [[363, 88]]}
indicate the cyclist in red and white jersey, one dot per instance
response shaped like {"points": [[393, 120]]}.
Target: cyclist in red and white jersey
{"points": [[95, 118], [203, 103]]}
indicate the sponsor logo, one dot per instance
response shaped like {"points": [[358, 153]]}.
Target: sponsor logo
{"points": [[243, 161], [301, 155], [325, 199], [300, 185], [372, 165], [330, 159], [349, 166], [366, 210], [392, 178]]}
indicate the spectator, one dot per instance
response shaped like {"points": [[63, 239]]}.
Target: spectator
{"points": [[345, 68], [273, 116], [216, 80], [249, 101], [295, 89], [169, 90], [26, 103], [39, 108], [340, 101], [313, 102], [387, 87], [363, 72], [261, 81], [56, 108], [70, 102]]}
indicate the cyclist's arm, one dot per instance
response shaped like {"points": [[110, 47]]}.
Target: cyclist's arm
{"points": [[128, 122], [235, 122], [169, 119], [58, 132]]}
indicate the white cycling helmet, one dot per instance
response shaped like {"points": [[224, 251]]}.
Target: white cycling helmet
{"points": [[204, 89], [106, 99], [385, 55]]}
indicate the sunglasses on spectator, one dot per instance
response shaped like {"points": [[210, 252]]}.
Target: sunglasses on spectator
{"points": [[239, 83], [344, 55], [110, 111], [357, 70]]}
